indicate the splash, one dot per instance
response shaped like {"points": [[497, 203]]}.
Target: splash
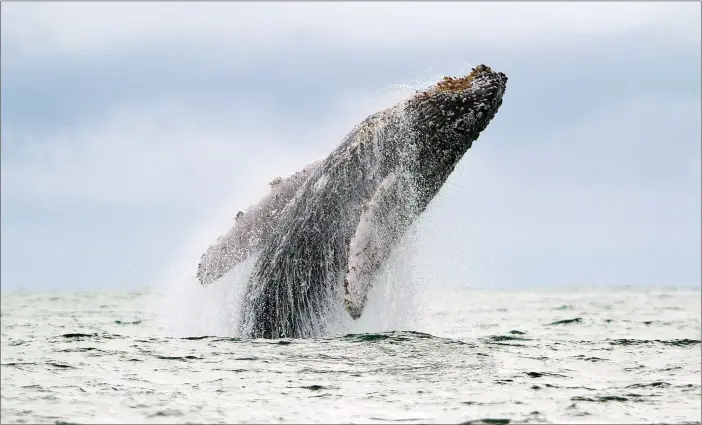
{"points": [[395, 298], [385, 172], [188, 309]]}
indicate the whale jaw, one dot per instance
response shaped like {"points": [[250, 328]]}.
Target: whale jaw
{"points": [[447, 118]]}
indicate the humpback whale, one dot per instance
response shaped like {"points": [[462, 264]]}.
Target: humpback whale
{"points": [[321, 235]]}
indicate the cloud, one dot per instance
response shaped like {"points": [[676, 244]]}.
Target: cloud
{"points": [[89, 28]]}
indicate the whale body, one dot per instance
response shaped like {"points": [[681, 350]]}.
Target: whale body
{"points": [[321, 235]]}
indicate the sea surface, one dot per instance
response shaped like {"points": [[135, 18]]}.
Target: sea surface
{"points": [[573, 355]]}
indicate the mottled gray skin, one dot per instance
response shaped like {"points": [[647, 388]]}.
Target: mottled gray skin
{"points": [[303, 267]]}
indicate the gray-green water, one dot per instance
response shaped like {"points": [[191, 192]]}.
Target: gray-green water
{"points": [[568, 356]]}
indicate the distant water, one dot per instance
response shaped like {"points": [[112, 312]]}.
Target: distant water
{"points": [[571, 356]]}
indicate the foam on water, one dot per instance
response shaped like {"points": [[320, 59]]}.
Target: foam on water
{"points": [[574, 355]]}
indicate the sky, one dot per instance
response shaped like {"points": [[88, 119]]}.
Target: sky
{"points": [[132, 133]]}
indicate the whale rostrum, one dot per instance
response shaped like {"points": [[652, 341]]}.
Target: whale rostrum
{"points": [[320, 236]]}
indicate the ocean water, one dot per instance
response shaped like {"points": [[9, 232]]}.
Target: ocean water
{"points": [[575, 355]]}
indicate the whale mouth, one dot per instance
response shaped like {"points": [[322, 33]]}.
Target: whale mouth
{"points": [[465, 104]]}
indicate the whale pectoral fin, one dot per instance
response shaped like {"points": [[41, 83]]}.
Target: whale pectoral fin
{"points": [[365, 255], [381, 225], [251, 229], [223, 256]]}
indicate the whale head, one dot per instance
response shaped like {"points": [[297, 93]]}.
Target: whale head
{"points": [[449, 116], [460, 107]]}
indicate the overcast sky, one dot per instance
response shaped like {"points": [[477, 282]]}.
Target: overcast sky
{"points": [[133, 132]]}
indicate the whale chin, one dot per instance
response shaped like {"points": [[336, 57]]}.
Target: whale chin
{"points": [[464, 105]]}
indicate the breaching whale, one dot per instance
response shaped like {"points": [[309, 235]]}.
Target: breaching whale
{"points": [[321, 235]]}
